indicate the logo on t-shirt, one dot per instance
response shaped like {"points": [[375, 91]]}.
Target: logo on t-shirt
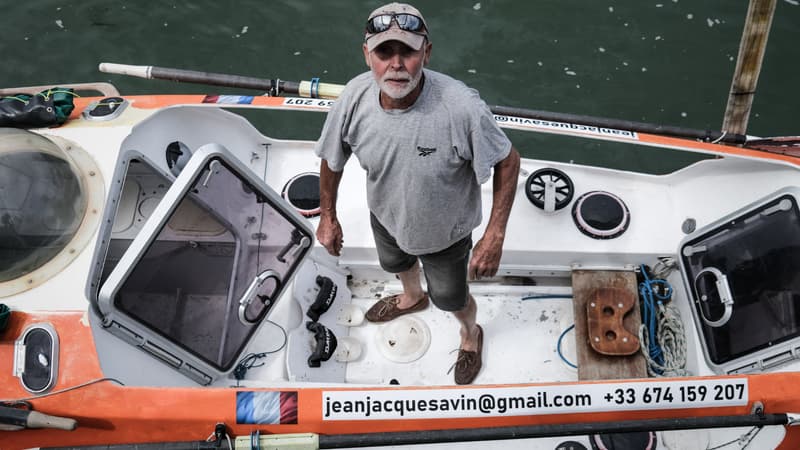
{"points": [[425, 151]]}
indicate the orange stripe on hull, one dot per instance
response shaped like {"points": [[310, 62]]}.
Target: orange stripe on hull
{"points": [[714, 148]]}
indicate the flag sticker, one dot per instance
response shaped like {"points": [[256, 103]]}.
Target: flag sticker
{"points": [[271, 407], [229, 99]]}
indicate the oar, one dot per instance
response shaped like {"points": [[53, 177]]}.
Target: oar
{"points": [[315, 89], [13, 419], [473, 435], [311, 89]]}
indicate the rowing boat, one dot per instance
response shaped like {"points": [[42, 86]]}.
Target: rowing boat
{"points": [[163, 287]]}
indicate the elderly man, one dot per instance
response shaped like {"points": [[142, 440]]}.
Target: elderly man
{"points": [[427, 143]]}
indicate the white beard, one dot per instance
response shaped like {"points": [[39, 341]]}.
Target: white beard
{"points": [[399, 93]]}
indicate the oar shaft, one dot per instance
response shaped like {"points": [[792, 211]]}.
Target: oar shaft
{"points": [[189, 76], [312, 89], [539, 431], [12, 419]]}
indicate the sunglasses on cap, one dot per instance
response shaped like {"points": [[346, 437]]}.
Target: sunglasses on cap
{"points": [[405, 21]]}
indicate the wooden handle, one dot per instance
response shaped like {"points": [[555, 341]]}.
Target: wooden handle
{"points": [[39, 420]]}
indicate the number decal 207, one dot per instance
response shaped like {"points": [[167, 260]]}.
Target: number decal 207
{"points": [[728, 392], [310, 102]]}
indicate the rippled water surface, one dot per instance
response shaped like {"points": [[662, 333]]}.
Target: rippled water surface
{"points": [[663, 61]]}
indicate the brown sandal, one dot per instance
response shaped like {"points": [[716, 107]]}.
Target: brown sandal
{"points": [[386, 308]]}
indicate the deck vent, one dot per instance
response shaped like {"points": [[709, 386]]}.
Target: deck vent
{"points": [[108, 108], [302, 192], [549, 189], [601, 215]]}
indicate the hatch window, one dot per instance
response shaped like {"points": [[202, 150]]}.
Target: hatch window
{"points": [[744, 276], [208, 266]]}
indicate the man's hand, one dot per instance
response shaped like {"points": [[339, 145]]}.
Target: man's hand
{"points": [[485, 257], [329, 234]]}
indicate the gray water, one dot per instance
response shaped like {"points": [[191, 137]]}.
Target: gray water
{"points": [[661, 61]]}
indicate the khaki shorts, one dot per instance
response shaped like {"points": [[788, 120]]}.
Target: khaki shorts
{"points": [[445, 271]]}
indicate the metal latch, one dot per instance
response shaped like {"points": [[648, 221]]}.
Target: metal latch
{"points": [[725, 296], [251, 293]]}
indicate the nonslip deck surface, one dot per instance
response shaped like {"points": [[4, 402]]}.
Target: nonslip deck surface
{"points": [[520, 338]]}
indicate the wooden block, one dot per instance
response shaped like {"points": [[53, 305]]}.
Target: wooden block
{"points": [[605, 312], [591, 364]]}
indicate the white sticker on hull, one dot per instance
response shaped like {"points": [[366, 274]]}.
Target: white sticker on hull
{"points": [[503, 121], [548, 125], [531, 400]]}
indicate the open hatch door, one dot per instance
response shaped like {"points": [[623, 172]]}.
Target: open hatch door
{"points": [[742, 274], [193, 285]]}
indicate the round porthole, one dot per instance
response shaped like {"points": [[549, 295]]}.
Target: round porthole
{"points": [[601, 215], [50, 205], [302, 192]]}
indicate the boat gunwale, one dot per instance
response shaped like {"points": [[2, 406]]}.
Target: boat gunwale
{"points": [[160, 101]]}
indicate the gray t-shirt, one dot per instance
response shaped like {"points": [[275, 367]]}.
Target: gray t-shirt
{"points": [[424, 164]]}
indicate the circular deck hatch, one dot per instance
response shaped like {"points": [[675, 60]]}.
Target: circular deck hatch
{"points": [[601, 215], [302, 192], [404, 339]]}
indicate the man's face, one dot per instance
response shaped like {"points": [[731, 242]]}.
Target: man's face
{"points": [[397, 67]]}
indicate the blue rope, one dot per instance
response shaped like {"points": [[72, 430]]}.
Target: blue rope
{"points": [[558, 347], [544, 296], [651, 300]]}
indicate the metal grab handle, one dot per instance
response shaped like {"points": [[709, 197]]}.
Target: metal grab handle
{"points": [[250, 294], [725, 296], [298, 240]]}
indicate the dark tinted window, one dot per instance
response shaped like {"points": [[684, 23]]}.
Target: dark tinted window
{"points": [[189, 282], [759, 254]]}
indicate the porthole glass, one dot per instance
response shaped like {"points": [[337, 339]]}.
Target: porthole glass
{"points": [[302, 192], [43, 204]]}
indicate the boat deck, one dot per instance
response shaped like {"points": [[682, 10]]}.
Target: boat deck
{"points": [[521, 336], [522, 325], [525, 323]]}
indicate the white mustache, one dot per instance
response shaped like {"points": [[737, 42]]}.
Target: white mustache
{"points": [[396, 76]]}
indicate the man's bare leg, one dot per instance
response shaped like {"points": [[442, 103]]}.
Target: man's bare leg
{"points": [[469, 327], [412, 287]]}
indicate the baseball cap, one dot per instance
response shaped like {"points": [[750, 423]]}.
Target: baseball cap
{"points": [[398, 27]]}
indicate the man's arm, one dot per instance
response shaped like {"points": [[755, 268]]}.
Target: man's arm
{"points": [[329, 231], [487, 252]]}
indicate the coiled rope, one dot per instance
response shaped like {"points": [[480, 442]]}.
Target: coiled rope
{"points": [[662, 336]]}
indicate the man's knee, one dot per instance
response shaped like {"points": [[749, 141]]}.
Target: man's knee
{"points": [[451, 298]]}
